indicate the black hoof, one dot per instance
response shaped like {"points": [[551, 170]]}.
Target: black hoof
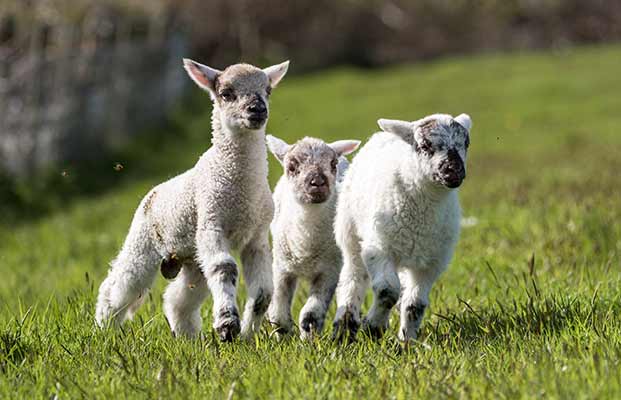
{"points": [[311, 323], [374, 332], [228, 326], [280, 331], [345, 328]]}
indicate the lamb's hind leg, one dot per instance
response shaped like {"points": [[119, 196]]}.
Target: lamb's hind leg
{"points": [[386, 288], [257, 261], [129, 279], [183, 299]]}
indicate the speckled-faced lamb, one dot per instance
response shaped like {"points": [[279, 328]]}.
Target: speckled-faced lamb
{"points": [[189, 225], [398, 219], [302, 230]]}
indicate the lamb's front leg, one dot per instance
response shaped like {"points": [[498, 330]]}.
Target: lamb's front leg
{"points": [[416, 286], [220, 270], [257, 261], [386, 287], [313, 313]]}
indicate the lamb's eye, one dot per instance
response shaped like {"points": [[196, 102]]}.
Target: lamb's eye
{"points": [[227, 95], [268, 90], [292, 166], [467, 142], [426, 146], [334, 164]]}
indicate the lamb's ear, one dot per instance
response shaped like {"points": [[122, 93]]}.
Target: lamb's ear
{"points": [[278, 147], [465, 121], [344, 147], [204, 76], [401, 128], [276, 72]]}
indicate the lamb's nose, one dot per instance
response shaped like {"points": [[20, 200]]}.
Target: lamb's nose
{"points": [[318, 180], [257, 107], [456, 168]]}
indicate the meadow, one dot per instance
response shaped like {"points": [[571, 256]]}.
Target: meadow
{"points": [[529, 307]]}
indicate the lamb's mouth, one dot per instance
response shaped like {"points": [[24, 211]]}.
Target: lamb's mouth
{"points": [[450, 181], [256, 121], [318, 195]]}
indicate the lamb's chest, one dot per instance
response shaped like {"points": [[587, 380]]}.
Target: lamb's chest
{"points": [[411, 231]]}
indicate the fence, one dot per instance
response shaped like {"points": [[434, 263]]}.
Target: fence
{"points": [[71, 88]]}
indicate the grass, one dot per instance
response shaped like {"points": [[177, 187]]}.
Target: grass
{"points": [[529, 307]]}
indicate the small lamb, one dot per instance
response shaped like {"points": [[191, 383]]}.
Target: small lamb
{"points": [[189, 225], [397, 220], [302, 229]]}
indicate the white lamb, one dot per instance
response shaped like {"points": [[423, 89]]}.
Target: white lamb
{"points": [[190, 224], [397, 221], [302, 234]]}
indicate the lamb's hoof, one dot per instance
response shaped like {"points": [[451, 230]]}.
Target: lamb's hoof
{"points": [[374, 332], [345, 328], [228, 327], [280, 332], [310, 325]]}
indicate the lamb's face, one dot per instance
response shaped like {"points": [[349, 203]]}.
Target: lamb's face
{"points": [[240, 92], [442, 144], [311, 166]]}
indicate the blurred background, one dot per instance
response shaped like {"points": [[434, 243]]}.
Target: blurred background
{"points": [[79, 77]]}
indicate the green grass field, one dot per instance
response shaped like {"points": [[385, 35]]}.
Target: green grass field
{"points": [[528, 308]]}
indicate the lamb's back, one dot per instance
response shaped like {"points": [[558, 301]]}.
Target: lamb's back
{"points": [[169, 210]]}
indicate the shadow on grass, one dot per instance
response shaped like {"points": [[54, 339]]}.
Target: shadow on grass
{"points": [[145, 155]]}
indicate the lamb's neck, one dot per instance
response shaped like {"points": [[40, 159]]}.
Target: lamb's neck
{"points": [[310, 216], [239, 151]]}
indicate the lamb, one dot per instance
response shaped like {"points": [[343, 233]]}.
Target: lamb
{"points": [[398, 220], [188, 226], [302, 235]]}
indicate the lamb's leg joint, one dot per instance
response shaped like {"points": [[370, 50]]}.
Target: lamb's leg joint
{"points": [[226, 271], [261, 302]]}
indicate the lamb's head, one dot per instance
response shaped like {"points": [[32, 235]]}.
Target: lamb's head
{"points": [[311, 165], [440, 143], [240, 93]]}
